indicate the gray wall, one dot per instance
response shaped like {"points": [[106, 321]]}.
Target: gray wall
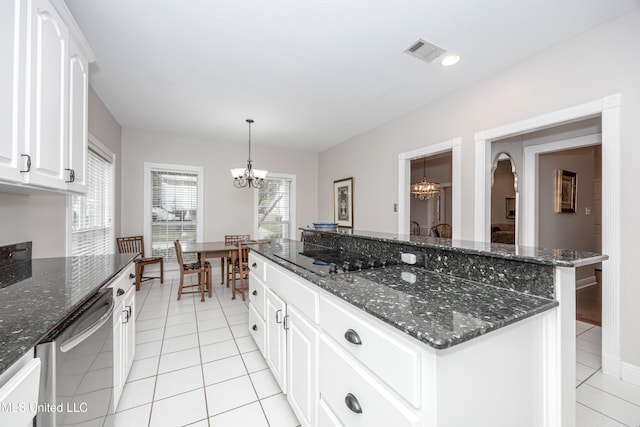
{"points": [[566, 75], [104, 127]]}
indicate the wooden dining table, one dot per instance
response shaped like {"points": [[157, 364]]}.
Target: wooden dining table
{"points": [[206, 250]]}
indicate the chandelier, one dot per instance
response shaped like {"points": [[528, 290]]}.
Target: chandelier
{"points": [[248, 177], [425, 189]]}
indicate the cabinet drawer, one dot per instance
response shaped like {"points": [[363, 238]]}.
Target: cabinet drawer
{"points": [[257, 266], [257, 328], [392, 360], [343, 380], [256, 295], [293, 290]]}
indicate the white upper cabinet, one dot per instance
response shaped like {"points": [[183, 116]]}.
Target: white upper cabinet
{"points": [[47, 95], [44, 113], [11, 101], [78, 125]]}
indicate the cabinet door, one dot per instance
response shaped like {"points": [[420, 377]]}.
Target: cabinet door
{"points": [[276, 340], [302, 367], [118, 384], [47, 94], [129, 331], [78, 101], [11, 103]]}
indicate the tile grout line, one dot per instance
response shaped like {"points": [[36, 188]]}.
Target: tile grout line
{"points": [[604, 415]]}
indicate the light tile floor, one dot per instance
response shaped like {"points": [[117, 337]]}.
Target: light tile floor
{"points": [[197, 365], [601, 400]]}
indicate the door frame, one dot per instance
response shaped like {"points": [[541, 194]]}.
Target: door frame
{"points": [[608, 108], [404, 181]]}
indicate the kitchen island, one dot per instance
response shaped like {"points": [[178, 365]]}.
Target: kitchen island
{"points": [[487, 314]]}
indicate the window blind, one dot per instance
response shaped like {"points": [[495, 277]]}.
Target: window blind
{"points": [[92, 214], [274, 209], [174, 208]]}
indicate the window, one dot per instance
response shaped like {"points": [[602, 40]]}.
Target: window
{"points": [[276, 208], [173, 208], [92, 214]]}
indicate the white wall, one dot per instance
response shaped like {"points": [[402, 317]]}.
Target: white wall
{"points": [[36, 216], [227, 210], [589, 67]]}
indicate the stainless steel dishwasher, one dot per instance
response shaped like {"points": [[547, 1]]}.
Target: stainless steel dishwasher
{"points": [[76, 383]]}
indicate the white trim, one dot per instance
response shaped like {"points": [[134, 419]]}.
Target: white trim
{"points": [[100, 148], [630, 373], [404, 180], [292, 204], [148, 167]]}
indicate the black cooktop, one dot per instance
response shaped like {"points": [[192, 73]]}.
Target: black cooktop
{"points": [[325, 261]]}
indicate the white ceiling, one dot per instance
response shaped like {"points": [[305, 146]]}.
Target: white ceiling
{"points": [[310, 73]]}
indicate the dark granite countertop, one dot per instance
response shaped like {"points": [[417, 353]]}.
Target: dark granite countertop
{"points": [[437, 309], [37, 295], [556, 257]]}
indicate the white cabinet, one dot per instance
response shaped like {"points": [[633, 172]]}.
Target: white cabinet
{"points": [[302, 366], [19, 388], [286, 335], [47, 95], [78, 118], [276, 340], [12, 49], [44, 96], [123, 330]]}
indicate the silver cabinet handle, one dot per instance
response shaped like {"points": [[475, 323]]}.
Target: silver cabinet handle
{"points": [[278, 320], [352, 403], [353, 337]]}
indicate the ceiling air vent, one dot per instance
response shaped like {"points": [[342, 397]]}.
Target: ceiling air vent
{"points": [[424, 50]]}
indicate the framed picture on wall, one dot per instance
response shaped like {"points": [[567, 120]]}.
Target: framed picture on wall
{"points": [[566, 191], [511, 208], [343, 202]]}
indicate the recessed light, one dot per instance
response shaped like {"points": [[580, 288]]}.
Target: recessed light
{"points": [[450, 60]]}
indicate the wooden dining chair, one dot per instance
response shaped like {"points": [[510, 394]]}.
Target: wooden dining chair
{"points": [[443, 230], [242, 267], [135, 244], [192, 268], [232, 240]]}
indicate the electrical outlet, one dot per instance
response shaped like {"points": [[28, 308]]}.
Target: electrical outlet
{"points": [[395, 207]]}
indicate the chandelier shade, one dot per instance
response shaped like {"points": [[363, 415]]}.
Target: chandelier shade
{"points": [[425, 190], [249, 177]]}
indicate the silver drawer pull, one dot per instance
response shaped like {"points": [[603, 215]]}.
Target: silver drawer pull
{"points": [[353, 337], [352, 403]]}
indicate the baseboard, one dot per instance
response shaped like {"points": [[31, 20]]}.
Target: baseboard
{"points": [[631, 373], [586, 282]]}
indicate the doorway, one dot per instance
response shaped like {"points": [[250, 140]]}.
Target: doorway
{"points": [[608, 112], [504, 200], [453, 146], [430, 212]]}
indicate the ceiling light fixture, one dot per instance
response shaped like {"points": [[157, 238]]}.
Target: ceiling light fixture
{"points": [[450, 60], [248, 177], [425, 189]]}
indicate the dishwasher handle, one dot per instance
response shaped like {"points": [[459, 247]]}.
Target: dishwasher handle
{"points": [[70, 343]]}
